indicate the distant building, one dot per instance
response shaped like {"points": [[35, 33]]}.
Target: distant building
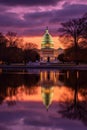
{"points": [[49, 80], [47, 52]]}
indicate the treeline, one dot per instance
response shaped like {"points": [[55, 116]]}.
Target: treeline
{"points": [[69, 55], [12, 51]]}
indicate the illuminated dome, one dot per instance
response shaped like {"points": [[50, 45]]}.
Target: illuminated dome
{"points": [[47, 41]]}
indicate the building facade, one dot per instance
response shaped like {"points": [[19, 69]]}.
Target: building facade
{"points": [[47, 52]]}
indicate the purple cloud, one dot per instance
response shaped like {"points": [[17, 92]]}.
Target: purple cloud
{"points": [[10, 20], [69, 12], [29, 2], [34, 23]]}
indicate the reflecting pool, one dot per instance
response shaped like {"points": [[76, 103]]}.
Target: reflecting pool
{"points": [[43, 100]]}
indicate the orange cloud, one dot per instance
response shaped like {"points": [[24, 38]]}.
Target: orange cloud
{"points": [[37, 40]]}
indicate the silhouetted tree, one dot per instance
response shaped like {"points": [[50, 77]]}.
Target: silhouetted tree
{"points": [[82, 54], [12, 39], [3, 43], [34, 56], [30, 46], [31, 55], [61, 57], [13, 55], [76, 29]]}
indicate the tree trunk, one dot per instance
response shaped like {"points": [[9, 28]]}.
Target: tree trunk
{"points": [[76, 51], [76, 91]]}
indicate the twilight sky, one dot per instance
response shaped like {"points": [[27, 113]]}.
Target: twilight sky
{"points": [[30, 17]]}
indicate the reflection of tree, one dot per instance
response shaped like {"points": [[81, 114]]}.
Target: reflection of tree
{"points": [[11, 102], [31, 79], [30, 82], [69, 78], [76, 109], [11, 82]]}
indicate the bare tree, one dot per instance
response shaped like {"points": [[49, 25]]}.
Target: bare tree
{"points": [[3, 43], [30, 45], [12, 39], [76, 29]]}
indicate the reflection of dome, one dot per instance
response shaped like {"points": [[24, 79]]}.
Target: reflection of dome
{"points": [[47, 41], [59, 49], [47, 96]]}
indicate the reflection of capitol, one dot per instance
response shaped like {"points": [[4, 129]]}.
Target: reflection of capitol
{"points": [[42, 90], [45, 86], [48, 79]]}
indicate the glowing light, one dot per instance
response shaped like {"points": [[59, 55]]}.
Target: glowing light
{"points": [[37, 40]]}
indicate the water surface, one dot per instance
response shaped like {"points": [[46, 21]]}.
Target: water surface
{"points": [[43, 100]]}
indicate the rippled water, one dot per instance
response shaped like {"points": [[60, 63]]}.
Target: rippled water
{"points": [[43, 100]]}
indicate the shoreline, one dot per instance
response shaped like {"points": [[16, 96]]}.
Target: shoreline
{"points": [[46, 66]]}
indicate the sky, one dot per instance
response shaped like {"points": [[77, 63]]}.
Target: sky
{"points": [[29, 18]]}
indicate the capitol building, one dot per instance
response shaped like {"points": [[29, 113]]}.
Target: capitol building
{"points": [[47, 52]]}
